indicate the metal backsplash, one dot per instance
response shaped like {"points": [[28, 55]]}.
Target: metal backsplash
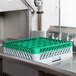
{"points": [[14, 25], [67, 33]]}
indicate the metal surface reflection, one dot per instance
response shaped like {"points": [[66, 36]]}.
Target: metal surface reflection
{"points": [[68, 64]]}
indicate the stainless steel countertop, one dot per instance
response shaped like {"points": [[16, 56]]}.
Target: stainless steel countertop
{"points": [[68, 65], [64, 68]]}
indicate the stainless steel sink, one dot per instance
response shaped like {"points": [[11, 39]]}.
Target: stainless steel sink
{"points": [[67, 33]]}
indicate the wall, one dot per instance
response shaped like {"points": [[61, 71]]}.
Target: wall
{"points": [[68, 13], [50, 16], [51, 13]]}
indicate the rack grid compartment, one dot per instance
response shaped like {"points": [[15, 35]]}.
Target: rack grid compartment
{"points": [[39, 49]]}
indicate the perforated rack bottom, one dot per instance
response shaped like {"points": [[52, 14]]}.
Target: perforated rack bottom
{"points": [[47, 57]]}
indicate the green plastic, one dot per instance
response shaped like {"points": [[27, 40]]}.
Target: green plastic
{"points": [[37, 45]]}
